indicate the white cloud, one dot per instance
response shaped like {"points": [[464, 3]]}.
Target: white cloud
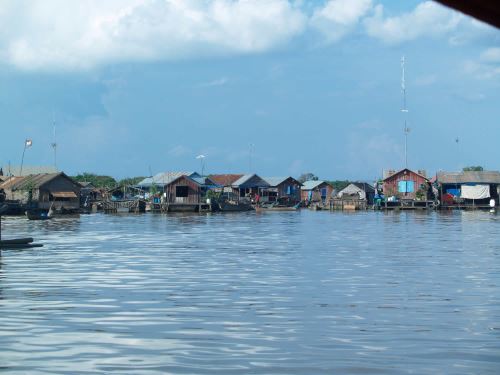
{"points": [[427, 19], [481, 71], [486, 67], [56, 35], [491, 55], [339, 17], [61, 34]]}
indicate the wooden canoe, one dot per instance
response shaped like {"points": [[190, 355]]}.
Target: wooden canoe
{"points": [[16, 241], [19, 245]]}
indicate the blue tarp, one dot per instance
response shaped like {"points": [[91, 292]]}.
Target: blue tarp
{"points": [[406, 186], [454, 192]]}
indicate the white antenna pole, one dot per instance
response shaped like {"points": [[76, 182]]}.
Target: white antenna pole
{"points": [[54, 143], [404, 110]]}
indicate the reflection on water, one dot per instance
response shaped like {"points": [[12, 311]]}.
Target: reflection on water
{"points": [[273, 293]]}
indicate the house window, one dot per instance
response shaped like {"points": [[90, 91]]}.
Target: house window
{"points": [[181, 191], [323, 193], [406, 186]]}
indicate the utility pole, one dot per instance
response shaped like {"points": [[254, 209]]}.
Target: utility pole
{"points": [[404, 110], [54, 143]]}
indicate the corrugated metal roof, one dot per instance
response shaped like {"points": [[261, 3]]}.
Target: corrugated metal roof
{"points": [[275, 181], [9, 182], [165, 178], [247, 177], [482, 177], [33, 181], [206, 181], [311, 184], [243, 179], [364, 186]]}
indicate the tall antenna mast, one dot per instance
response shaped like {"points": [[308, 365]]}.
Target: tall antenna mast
{"points": [[54, 143], [404, 110], [250, 152]]}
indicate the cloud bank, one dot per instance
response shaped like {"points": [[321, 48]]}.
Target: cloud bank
{"points": [[80, 35]]}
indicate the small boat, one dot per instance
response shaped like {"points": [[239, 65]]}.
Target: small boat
{"points": [[38, 214], [9, 245], [19, 243], [228, 206], [15, 241], [276, 207]]}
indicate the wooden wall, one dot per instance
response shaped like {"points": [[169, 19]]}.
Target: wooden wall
{"points": [[391, 184], [194, 191], [283, 189], [316, 196]]}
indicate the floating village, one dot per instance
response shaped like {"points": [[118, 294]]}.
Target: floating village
{"points": [[43, 193], [42, 196]]}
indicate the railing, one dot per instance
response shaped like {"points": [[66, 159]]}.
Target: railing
{"points": [[348, 204], [135, 205]]}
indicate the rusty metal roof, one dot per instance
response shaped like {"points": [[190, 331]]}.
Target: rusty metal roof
{"points": [[404, 170], [482, 177], [225, 179]]}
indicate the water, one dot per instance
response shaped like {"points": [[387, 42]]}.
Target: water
{"points": [[246, 293]]}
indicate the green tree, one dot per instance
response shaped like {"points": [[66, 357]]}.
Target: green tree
{"points": [[477, 168], [130, 181], [307, 177], [96, 180], [339, 184]]}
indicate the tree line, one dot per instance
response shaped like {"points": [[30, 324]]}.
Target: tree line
{"points": [[106, 182]]}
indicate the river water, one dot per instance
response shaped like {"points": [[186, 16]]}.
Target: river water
{"points": [[248, 293]]}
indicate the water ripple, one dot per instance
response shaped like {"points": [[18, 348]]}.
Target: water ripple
{"points": [[287, 293]]}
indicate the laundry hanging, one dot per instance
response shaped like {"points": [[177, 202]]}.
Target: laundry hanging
{"points": [[475, 191]]}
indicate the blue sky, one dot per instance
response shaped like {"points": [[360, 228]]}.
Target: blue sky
{"points": [[140, 85]]}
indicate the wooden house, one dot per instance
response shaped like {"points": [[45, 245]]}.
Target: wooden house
{"points": [[406, 185], [160, 181], [45, 190], [248, 187], [470, 188], [89, 192], [183, 190], [358, 190], [316, 191], [186, 193], [281, 189]]}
